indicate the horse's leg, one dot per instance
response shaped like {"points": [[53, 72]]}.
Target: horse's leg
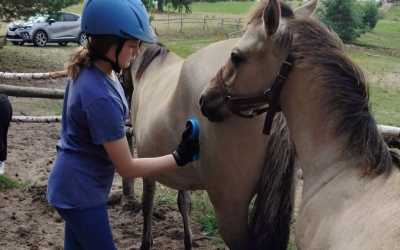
{"points": [[232, 219], [148, 202], [128, 184], [184, 205]]}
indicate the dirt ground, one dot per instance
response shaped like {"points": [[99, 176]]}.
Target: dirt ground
{"points": [[28, 222]]}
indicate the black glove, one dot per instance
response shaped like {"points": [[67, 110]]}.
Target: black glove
{"points": [[187, 148]]}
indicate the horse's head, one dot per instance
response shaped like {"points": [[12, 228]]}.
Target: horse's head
{"points": [[243, 85]]}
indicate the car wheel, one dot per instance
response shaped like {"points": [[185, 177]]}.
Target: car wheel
{"points": [[82, 39], [63, 43], [40, 38]]}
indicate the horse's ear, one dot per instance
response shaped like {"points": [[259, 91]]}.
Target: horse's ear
{"points": [[271, 16], [307, 9]]}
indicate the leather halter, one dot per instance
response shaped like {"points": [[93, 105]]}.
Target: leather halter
{"points": [[251, 106]]}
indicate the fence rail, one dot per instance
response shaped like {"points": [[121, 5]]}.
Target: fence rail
{"points": [[36, 119], [33, 92], [35, 76], [206, 22]]}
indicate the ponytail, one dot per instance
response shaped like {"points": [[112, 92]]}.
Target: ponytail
{"points": [[79, 60], [95, 48]]}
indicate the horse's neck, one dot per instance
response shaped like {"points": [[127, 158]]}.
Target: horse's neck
{"points": [[196, 72], [160, 78], [319, 151]]}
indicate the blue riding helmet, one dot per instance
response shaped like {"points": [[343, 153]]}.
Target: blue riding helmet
{"points": [[126, 19]]}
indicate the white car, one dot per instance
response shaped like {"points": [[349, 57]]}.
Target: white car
{"points": [[60, 28]]}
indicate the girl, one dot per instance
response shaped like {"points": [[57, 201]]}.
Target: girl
{"points": [[93, 142]]}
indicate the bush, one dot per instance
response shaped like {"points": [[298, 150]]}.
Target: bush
{"points": [[371, 14], [349, 18], [342, 17]]}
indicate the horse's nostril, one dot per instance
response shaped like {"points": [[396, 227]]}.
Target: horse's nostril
{"points": [[201, 101]]}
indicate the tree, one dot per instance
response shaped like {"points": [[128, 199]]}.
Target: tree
{"points": [[371, 14], [342, 17], [180, 4], [176, 5], [11, 9], [349, 18]]}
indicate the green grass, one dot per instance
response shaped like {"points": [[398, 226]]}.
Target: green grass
{"points": [[393, 14], [225, 7], [28, 58], [374, 62], [386, 34], [385, 105], [384, 90], [187, 47], [7, 183], [204, 213], [203, 7], [3, 28], [222, 7], [381, 62]]}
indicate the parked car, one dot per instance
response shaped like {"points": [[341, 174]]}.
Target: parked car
{"points": [[61, 28]]}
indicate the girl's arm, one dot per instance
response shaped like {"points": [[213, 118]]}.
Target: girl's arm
{"points": [[127, 166]]}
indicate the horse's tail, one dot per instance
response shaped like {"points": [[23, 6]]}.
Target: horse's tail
{"points": [[149, 54], [271, 215]]}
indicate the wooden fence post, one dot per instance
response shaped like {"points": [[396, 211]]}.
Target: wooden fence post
{"points": [[238, 21], [168, 22], [181, 28]]}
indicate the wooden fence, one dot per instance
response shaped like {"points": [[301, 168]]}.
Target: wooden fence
{"points": [[176, 23], [35, 92]]}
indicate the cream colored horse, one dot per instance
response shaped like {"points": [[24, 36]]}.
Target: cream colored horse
{"points": [[235, 156], [351, 195]]}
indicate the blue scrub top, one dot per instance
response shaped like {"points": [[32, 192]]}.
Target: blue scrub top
{"points": [[94, 112]]}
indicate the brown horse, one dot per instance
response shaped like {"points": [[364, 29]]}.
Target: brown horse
{"points": [[236, 162], [351, 194]]}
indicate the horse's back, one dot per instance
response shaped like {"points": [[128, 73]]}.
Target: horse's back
{"points": [[164, 97]]}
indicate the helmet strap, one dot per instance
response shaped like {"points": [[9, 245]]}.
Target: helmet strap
{"points": [[114, 64]]}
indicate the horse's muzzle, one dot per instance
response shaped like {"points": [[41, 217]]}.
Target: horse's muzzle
{"points": [[212, 106]]}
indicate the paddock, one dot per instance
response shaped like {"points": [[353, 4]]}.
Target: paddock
{"points": [[27, 221]]}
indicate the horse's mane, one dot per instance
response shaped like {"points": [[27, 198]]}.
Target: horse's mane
{"points": [[148, 55], [345, 92]]}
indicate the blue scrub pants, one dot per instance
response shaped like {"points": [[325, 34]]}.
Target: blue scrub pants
{"points": [[87, 229]]}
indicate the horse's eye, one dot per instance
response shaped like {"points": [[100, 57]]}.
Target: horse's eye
{"points": [[236, 58]]}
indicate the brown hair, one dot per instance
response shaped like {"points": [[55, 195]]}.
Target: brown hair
{"points": [[85, 56]]}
